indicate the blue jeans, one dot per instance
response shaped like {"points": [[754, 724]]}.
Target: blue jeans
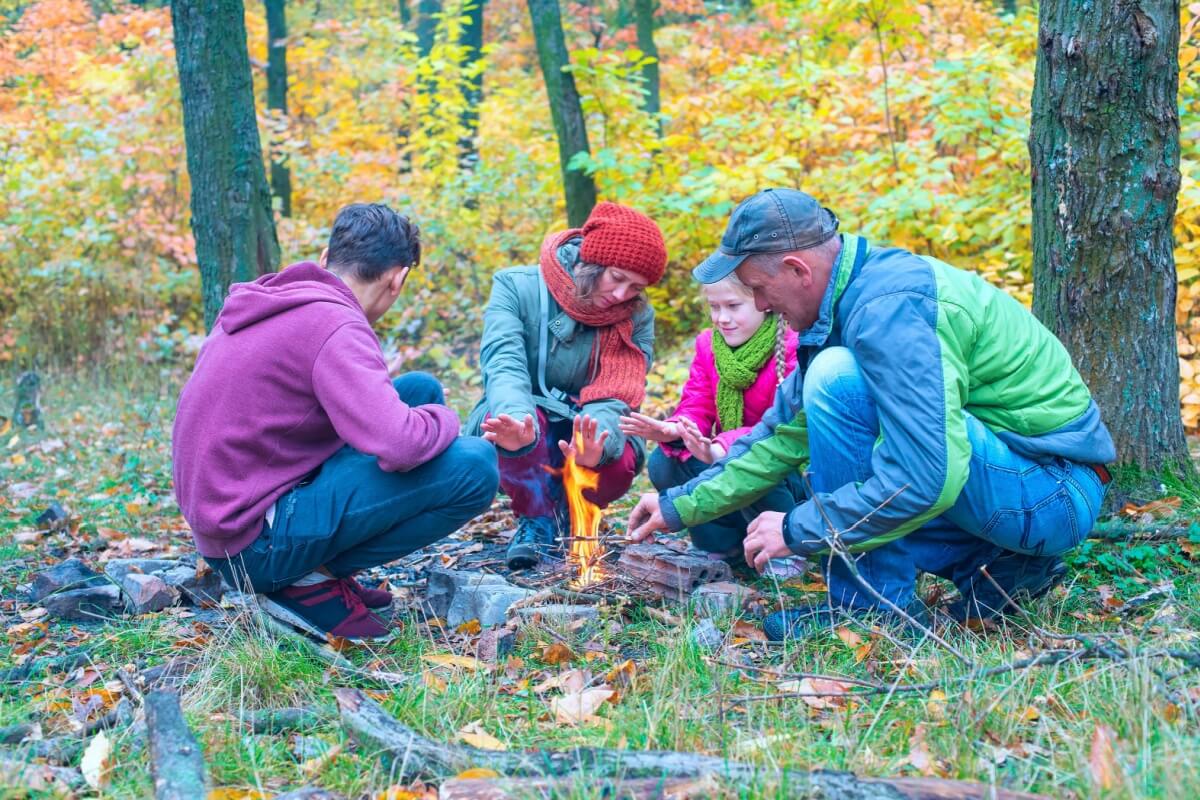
{"points": [[1010, 503], [350, 515], [723, 535]]}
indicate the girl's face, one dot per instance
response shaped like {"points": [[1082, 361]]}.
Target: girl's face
{"points": [[733, 313]]}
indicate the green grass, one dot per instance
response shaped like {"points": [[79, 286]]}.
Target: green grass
{"points": [[1031, 730]]}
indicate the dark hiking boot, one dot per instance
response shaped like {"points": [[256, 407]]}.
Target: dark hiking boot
{"points": [[328, 607], [534, 538], [372, 598], [806, 621], [1022, 578]]}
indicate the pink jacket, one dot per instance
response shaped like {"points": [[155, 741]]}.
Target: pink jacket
{"points": [[699, 400]]}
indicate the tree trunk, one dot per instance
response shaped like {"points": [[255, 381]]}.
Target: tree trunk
{"points": [[645, 37], [277, 86], [565, 108], [1009, 7], [427, 11], [405, 14], [231, 202], [1104, 147], [472, 41]]}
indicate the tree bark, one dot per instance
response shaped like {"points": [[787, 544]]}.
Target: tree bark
{"points": [[565, 108], [427, 11], [231, 202], [472, 41], [176, 761], [277, 86], [1104, 147], [644, 12]]}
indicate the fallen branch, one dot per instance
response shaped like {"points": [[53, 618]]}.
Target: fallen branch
{"points": [[331, 656], [413, 757], [286, 720], [59, 663], [1121, 529], [175, 758], [311, 793], [520, 788]]}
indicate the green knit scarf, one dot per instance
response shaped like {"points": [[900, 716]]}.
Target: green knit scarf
{"points": [[738, 368]]}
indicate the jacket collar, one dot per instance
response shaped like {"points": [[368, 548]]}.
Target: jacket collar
{"points": [[854, 252]]}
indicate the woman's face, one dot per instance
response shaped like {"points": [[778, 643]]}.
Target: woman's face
{"points": [[616, 286], [733, 313]]}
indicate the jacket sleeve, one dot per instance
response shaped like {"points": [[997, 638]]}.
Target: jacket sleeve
{"points": [[507, 383], [913, 364], [756, 464], [608, 413], [350, 381]]}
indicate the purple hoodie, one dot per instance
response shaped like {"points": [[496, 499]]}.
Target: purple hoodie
{"points": [[290, 373]]}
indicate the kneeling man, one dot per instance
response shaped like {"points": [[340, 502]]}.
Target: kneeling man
{"points": [[943, 428], [297, 460]]}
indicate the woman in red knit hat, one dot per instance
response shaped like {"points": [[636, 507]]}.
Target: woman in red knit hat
{"points": [[566, 346]]}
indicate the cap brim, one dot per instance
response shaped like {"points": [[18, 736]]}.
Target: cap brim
{"points": [[717, 267]]}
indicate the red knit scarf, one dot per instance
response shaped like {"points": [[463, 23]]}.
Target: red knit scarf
{"points": [[622, 371]]}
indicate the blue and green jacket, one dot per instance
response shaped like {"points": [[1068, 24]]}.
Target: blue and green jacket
{"points": [[931, 342]]}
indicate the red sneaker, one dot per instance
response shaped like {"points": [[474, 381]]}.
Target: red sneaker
{"points": [[328, 607], [372, 598]]}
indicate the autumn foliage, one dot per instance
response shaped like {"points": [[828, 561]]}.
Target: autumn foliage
{"points": [[909, 119]]}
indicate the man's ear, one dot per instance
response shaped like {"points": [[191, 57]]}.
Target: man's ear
{"points": [[324, 260], [801, 267], [398, 279]]}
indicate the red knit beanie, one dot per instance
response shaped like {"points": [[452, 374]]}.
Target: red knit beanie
{"points": [[617, 236]]}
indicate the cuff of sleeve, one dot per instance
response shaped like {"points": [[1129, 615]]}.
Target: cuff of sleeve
{"points": [[797, 541], [727, 438], [666, 505]]}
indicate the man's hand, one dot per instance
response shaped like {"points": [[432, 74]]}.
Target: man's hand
{"points": [[764, 540], [583, 432], [648, 428], [508, 434], [699, 445], [645, 519]]}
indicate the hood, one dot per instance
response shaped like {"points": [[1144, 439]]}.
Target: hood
{"points": [[280, 292]]}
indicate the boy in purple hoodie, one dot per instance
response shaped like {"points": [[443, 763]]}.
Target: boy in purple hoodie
{"points": [[297, 460]]}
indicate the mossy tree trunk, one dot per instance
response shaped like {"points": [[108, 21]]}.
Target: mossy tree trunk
{"points": [[1104, 147], [231, 202], [644, 15], [565, 107], [277, 86]]}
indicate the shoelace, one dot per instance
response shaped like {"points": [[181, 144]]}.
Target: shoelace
{"points": [[341, 588]]}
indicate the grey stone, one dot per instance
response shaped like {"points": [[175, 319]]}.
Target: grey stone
{"points": [[458, 596], [723, 598], [68, 574], [54, 518], [118, 568], [706, 636], [560, 613], [85, 604], [198, 586], [147, 593]]}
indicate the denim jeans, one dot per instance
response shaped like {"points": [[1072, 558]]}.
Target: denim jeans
{"points": [[350, 515], [1009, 504], [723, 535]]}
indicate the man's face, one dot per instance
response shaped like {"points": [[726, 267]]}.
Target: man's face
{"points": [[790, 291]]}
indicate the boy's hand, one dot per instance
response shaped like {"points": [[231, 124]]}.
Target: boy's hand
{"points": [[699, 445], [764, 540], [583, 431], [648, 428], [645, 519], [508, 434]]}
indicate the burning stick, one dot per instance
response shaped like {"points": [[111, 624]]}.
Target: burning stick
{"points": [[586, 553]]}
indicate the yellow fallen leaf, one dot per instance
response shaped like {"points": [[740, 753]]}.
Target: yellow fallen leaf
{"points": [[1031, 714], [818, 692], [476, 736], [235, 793], [476, 773], [96, 763], [935, 706], [434, 681], [849, 637], [453, 660], [579, 707], [470, 627], [572, 680], [557, 653]]}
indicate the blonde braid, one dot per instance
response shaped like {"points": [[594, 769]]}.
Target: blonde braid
{"points": [[781, 332]]}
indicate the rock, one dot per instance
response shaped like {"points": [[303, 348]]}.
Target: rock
{"points": [[199, 585], [494, 644], [71, 573], [723, 598], [85, 604], [146, 593], [706, 636], [459, 595], [559, 613], [118, 568], [54, 518]]}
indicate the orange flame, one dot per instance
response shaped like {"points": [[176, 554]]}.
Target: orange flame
{"points": [[585, 519]]}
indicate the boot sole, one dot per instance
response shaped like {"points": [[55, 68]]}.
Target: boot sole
{"points": [[286, 615]]}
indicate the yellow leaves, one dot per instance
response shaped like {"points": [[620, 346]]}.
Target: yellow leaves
{"points": [[97, 761], [935, 706], [453, 660], [820, 693], [557, 653], [236, 793], [471, 627], [577, 708], [474, 735], [476, 773]]}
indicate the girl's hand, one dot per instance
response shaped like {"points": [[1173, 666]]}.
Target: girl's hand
{"points": [[585, 445], [699, 445], [648, 428], [508, 434]]}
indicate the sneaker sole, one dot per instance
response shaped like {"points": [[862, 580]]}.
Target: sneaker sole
{"points": [[286, 615]]}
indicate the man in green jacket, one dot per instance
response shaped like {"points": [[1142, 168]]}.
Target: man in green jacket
{"points": [[941, 426]]}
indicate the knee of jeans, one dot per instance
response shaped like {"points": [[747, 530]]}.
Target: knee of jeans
{"points": [[419, 388], [659, 469], [475, 459], [833, 373]]}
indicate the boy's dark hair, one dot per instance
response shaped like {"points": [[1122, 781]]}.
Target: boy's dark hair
{"points": [[368, 239]]}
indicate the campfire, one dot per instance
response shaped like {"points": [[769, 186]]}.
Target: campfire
{"points": [[586, 554]]}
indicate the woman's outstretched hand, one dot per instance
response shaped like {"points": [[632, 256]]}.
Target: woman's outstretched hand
{"points": [[585, 445], [648, 428], [699, 445], [507, 433]]}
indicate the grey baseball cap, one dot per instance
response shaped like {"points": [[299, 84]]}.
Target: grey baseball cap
{"points": [[772, 221]]}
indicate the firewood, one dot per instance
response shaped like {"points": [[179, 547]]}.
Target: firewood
{"points": [[176, 761]]}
